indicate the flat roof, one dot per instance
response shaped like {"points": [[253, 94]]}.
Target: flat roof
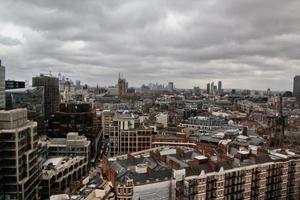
{"points": [[21, 89], [55, 161]]}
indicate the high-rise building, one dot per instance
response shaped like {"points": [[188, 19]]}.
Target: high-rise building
{"points": [[296, 90], [208, 88], [78, 83], [269, 92], [212, 88], [2, 86], [197, 90], [61, 82], [171, 86], [51, 93], [220, 87], [106, 120], [11, 84], [20, 156]]}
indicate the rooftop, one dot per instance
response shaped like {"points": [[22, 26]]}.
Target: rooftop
{"points": [[160, 164]]}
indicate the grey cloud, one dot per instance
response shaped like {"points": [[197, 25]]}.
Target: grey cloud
{"points": [[188, 42], [9, 41]]}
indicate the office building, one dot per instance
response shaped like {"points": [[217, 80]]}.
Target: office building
{"points": [[126, 135], [75, 117], [31, 98], [20, 156], [66, 164], [296, 89], [61, 82], [106, 120], [2, 86], [208, 88], [197, 90], [72, 145], [220, 89], [11, 84], [171, 86], [212, 88], [78, 83], [61, 173], [51, 93]]}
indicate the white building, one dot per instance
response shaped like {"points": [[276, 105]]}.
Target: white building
{"points": [[162, 118]]}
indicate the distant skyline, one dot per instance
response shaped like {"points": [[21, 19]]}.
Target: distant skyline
{"points": [[250, 44]]}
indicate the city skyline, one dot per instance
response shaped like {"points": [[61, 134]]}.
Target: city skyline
{"points": [[114, 83], [157, 100], [246, 44]]}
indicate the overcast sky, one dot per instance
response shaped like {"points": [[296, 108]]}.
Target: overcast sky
{"points": [[251, 44]]}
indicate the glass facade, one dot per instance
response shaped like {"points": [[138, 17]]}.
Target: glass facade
{"points": [[31, 98]]}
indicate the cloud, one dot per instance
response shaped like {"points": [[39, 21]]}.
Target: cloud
{"points": [[188, 42]]}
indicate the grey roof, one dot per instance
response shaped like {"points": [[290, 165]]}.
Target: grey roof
{"points": [[196, 170]]}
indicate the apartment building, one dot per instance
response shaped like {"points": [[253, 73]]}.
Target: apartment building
{"points": [[186, 174], [270, 178]]}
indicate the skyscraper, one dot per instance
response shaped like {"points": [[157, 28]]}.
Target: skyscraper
{"points": [[208, 88], [51, 92], [219, 87], [296, 90], [2, 86], [212, 88], [171, 86]]}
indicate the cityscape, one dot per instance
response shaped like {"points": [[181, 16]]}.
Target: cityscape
{"points": [[182, 117]]}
